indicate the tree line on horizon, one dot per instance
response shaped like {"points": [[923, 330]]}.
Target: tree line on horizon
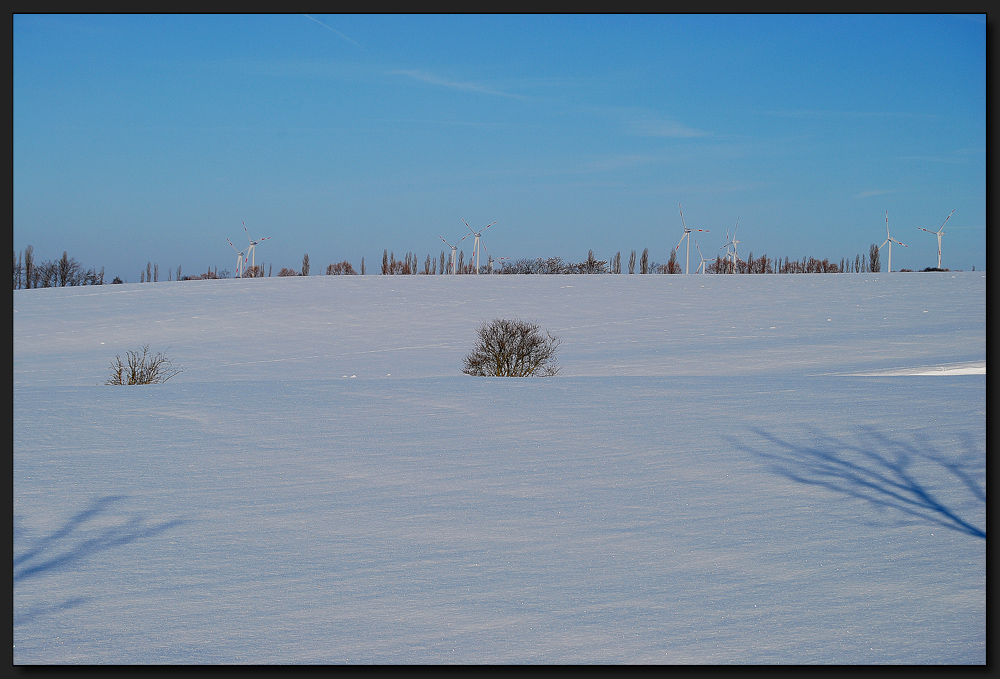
{"points": [[29, 273]]}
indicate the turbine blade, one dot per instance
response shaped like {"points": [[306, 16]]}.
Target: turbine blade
{"points": [[945, 221]]}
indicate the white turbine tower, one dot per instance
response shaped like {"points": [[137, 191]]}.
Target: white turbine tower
{"points": [[250, 252], [475, 245], [938, 233], [454, 249], [239, 260], [687, 234], [889, 240], [703, 260]]}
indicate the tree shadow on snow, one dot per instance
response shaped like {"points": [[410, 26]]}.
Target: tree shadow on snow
{"points": [[882, 471], [82, 536]]}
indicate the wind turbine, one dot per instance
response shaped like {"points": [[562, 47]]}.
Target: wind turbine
{"points": [[687, 234], [938, 233], [239, 260], [703, 260], [732, 242], [890, 240], [475, 245], [250, 252], [489, 259], [454, 248]]}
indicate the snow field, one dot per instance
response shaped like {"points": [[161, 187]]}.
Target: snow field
{"points": [[692, 489]]}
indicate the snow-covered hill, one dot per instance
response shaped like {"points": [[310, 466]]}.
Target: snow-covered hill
{"points": [[730, 469]]}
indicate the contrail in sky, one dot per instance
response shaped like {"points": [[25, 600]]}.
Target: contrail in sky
{"points": [[332, 29], [467, 87]]}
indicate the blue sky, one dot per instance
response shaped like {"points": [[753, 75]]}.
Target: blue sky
{"points": [[153, 138]]}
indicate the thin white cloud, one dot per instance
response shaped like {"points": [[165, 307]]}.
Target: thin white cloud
{"points": [[847, 114], [430, 78], [330, 28], [647, 123]]}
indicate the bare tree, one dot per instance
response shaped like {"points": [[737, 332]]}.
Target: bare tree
{"points": [[29, 266], [672, 265], [305, 265], [512, 348], [64, 270], [874, 265], [46, 274], [644, 261], [631, 263], [141, 368]]}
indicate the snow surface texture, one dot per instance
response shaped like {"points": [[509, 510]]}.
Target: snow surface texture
{"points": [[730, 469]]}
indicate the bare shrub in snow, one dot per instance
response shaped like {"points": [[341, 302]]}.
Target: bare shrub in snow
{"points": [[342, 269], [140, 367], [512, 348]]}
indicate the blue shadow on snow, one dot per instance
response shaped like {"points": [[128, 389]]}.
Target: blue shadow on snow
{"points": [[877, 469], [74, 541]]}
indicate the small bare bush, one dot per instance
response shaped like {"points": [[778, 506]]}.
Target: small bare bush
{"points": [[140, 367], [341, 269], [512, 348]]}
